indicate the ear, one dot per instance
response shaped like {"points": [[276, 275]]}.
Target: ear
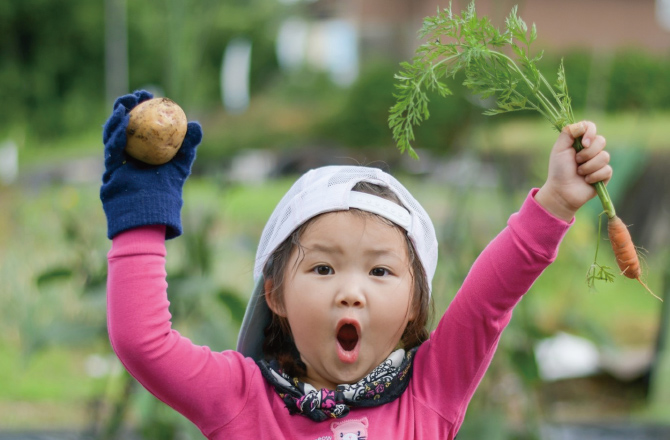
{"points": [[412, 311], [412, 315], [276, 306]]}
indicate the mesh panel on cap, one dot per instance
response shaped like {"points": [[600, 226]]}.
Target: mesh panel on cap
{"points": [[326, 189]]}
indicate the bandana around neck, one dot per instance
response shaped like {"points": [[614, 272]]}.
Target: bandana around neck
{"points": [[383, 385]]}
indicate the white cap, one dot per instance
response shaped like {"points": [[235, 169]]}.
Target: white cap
{"points": [[324, 190]]}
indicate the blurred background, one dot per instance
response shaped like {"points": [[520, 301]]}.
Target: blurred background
{"points": [[281, 86]]}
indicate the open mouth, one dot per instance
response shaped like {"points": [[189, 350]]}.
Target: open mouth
{"points": [[347, 336]]}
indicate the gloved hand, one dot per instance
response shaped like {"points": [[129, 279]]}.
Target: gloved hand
{"points": [[137, 194]]}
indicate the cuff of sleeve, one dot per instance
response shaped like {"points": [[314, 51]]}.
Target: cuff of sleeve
{"points": [[138, 241], [144, 209], [542, 231]]}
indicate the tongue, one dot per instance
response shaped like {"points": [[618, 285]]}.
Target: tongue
{"points": [[347, 337]]}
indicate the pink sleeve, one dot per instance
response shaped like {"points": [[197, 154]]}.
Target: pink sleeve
{"points": [[453, 361], [195, 381]]}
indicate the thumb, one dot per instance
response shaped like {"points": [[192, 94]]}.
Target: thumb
{"points": [[575, 130], [193, 136], [567, 137], [191, 141]]}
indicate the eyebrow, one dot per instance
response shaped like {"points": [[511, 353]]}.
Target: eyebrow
{"points": [[319, 247]]}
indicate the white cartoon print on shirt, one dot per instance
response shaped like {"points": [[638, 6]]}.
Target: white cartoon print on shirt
{"points": [[352, 429]]}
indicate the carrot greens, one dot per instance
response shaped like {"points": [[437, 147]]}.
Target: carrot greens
{"points": [[473, 45], [495, 63]]}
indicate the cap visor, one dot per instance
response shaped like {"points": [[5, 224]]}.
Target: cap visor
{"points": [[256, 318]]}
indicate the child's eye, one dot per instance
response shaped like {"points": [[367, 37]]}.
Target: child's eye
{"points": [[379, 272], [323, 270]]}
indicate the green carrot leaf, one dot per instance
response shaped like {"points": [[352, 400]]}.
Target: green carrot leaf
{"points": [[472, 45]]}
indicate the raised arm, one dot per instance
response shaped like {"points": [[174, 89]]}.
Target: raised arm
{"points": [[142, 204], [209, 388], [460, 350]]}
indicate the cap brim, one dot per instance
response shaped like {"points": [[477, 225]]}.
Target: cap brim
{"points": [[256, 318]]}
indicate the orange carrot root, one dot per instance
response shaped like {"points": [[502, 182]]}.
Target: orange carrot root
{"points": [[623, 247], [625, 251]]}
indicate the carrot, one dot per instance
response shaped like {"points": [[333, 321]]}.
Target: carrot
{"points": [[625, 251]]}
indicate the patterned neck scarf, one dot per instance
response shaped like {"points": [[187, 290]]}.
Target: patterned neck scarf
{"points": [[384, 384]]}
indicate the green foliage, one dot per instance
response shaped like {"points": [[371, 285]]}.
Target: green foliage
{"points": [[579, 64], [69, 304], [597, 271], [53, 56], [638, 81], [179, 45], [361, 121], [474, 46], [51, 65], [33, 379], [633, 80]]}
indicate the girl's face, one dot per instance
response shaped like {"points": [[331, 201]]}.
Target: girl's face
{"points": [[346, 296]]}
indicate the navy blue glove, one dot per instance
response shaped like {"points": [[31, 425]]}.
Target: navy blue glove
{"points": [[134, 193]]}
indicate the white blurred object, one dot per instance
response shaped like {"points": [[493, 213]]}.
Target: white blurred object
{"points": [[342, 50], [329, 46], [98, 366], [566, 356], [9, 162], [291, 43], [627, 364], [235, 75], [332, 47], [663, 13], [252, 166]]}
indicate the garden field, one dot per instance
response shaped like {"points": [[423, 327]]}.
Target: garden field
{"points": [[58, 371]]}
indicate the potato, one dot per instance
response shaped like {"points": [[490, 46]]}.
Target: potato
{"points": [[155, 131]]}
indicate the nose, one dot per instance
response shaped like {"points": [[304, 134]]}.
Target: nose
{"points": [[350, 301], [351, 293]]}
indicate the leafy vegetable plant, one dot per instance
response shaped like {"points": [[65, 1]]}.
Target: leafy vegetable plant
{"points": [[495, 64]]}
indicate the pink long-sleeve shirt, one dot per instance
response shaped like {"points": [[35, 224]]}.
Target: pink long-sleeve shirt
{"points": [[224, 393]]}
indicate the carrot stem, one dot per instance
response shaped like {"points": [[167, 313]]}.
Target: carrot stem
{"points": [[601, 190]]}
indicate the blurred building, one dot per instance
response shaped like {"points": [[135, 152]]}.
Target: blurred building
{"points": [[389, 27]]}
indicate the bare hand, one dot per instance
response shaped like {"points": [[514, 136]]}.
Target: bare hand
{"points": [[571, 174]]}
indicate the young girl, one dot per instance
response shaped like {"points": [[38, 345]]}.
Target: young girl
{"points": [[333, 343]]}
